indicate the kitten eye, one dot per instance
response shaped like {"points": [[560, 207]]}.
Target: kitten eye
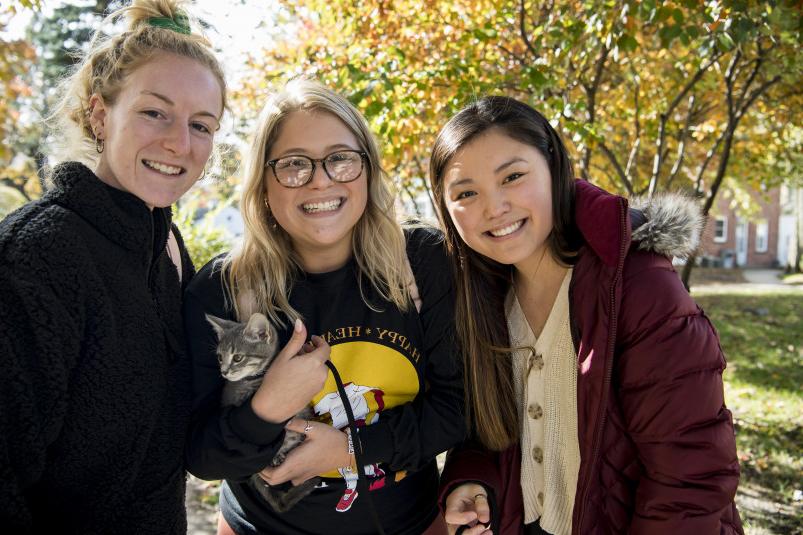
{"points": [[238, 358], [220, 359]]}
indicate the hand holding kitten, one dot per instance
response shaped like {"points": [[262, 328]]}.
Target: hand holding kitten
{"points": [[325, 449], [296, 375]]}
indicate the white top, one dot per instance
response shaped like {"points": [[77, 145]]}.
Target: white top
{"points": [[545, 374]]}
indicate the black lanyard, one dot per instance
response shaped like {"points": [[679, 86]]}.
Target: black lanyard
{"points": [[362, 480]]}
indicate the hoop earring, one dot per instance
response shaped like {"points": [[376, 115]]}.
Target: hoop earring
{"points": [[99, 145]]}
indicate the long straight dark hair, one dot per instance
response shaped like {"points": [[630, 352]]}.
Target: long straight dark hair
{"points": [[483, 283]]}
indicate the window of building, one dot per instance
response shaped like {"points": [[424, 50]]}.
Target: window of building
{"points": [[721, 229], [762, 236]]}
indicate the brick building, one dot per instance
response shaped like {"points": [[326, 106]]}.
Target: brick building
{"points": [[760, 240]]}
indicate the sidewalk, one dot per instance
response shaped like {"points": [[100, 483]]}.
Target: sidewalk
{"points": [[757, 281]]}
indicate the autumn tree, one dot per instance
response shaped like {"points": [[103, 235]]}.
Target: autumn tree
{"points": [[16, 59], [651, 95]]}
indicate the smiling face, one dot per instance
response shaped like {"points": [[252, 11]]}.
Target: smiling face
{"points": [[498, 192], [319, 216], [158, 133]]}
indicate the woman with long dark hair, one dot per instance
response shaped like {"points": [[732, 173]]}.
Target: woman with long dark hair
{"points": [[593, 381]]}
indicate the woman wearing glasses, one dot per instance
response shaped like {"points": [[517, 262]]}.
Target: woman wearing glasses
{"points": [[322, 244]]}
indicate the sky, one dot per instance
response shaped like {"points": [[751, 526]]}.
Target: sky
{"points": [[240, 26]]}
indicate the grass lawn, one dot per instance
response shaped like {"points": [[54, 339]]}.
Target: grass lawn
{"points": [[762, 336]]}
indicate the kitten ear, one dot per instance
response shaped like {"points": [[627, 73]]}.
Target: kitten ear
{"points": [[258, 328], [219, 324]]}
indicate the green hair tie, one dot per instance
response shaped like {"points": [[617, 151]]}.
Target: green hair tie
{"points": [[179, 23]]}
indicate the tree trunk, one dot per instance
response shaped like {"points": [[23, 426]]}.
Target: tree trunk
{"points": [[798, 243], [711, 197]]}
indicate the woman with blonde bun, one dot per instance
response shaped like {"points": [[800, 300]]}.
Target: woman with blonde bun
{"points": [[95, 390]]}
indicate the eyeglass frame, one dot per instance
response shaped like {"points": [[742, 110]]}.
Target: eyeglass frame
{"points": [[272, 164]]}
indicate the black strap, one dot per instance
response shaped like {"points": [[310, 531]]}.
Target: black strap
{"points": [[362, 479]]}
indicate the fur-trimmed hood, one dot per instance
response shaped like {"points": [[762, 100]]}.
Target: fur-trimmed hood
{"points": [[672, 227], [668, 224]]}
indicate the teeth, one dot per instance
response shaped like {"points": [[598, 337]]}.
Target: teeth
{"points": [[327, 206], [504, 231], [163, 168]]}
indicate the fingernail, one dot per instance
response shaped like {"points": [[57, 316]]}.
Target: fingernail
{"points": [[298, 325]]}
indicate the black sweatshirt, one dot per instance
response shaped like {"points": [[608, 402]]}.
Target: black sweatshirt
{"points": [[402, 368], [94, 392]]}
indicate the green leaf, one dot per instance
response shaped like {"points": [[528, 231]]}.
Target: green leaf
{"points": [[537, 78], [374, 108], [725, 41], [627, 43], [662, 14], [668, 34], [684, 38]]}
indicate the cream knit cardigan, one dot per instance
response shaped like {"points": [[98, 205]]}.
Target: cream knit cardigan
{"points": [[546, 390]]}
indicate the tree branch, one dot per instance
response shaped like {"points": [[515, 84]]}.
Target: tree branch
{"points": [[729, 74], [631, 159], [17, 183], [423, 173], [698, 187], [523, 30], [758, 62], [410, 195], [757, 93], [591, 95], [521, 59], [681, 144], [618, 167], [658, 160]]}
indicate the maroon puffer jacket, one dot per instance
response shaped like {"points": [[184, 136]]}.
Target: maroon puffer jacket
{"points": [[657, 446]]}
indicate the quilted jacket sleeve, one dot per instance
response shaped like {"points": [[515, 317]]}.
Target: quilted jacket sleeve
{"points": [[669, 373], [498, 472]]}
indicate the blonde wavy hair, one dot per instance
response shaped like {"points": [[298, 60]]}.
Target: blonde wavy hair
{"points": [[260, 270], [108, 62]]}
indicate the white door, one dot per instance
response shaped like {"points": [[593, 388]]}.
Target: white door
{"points": [[741, 242]]}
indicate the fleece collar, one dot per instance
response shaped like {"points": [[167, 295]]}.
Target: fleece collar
{"points": [[118, 215]]}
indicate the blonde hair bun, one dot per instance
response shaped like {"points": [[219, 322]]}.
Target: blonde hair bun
{"points": [[167, 14]]}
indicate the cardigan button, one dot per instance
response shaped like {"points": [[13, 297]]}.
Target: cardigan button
{"points": [[540, 498], [538, 455], [535, 411], [535, 362]]}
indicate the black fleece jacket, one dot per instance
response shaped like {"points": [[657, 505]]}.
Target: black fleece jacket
{"points": [[95, 389]]}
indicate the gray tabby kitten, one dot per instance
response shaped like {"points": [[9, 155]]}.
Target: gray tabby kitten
{"points": [[245, 351]]}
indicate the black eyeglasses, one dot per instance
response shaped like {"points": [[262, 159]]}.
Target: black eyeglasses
{"points": [[341, 166]]}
